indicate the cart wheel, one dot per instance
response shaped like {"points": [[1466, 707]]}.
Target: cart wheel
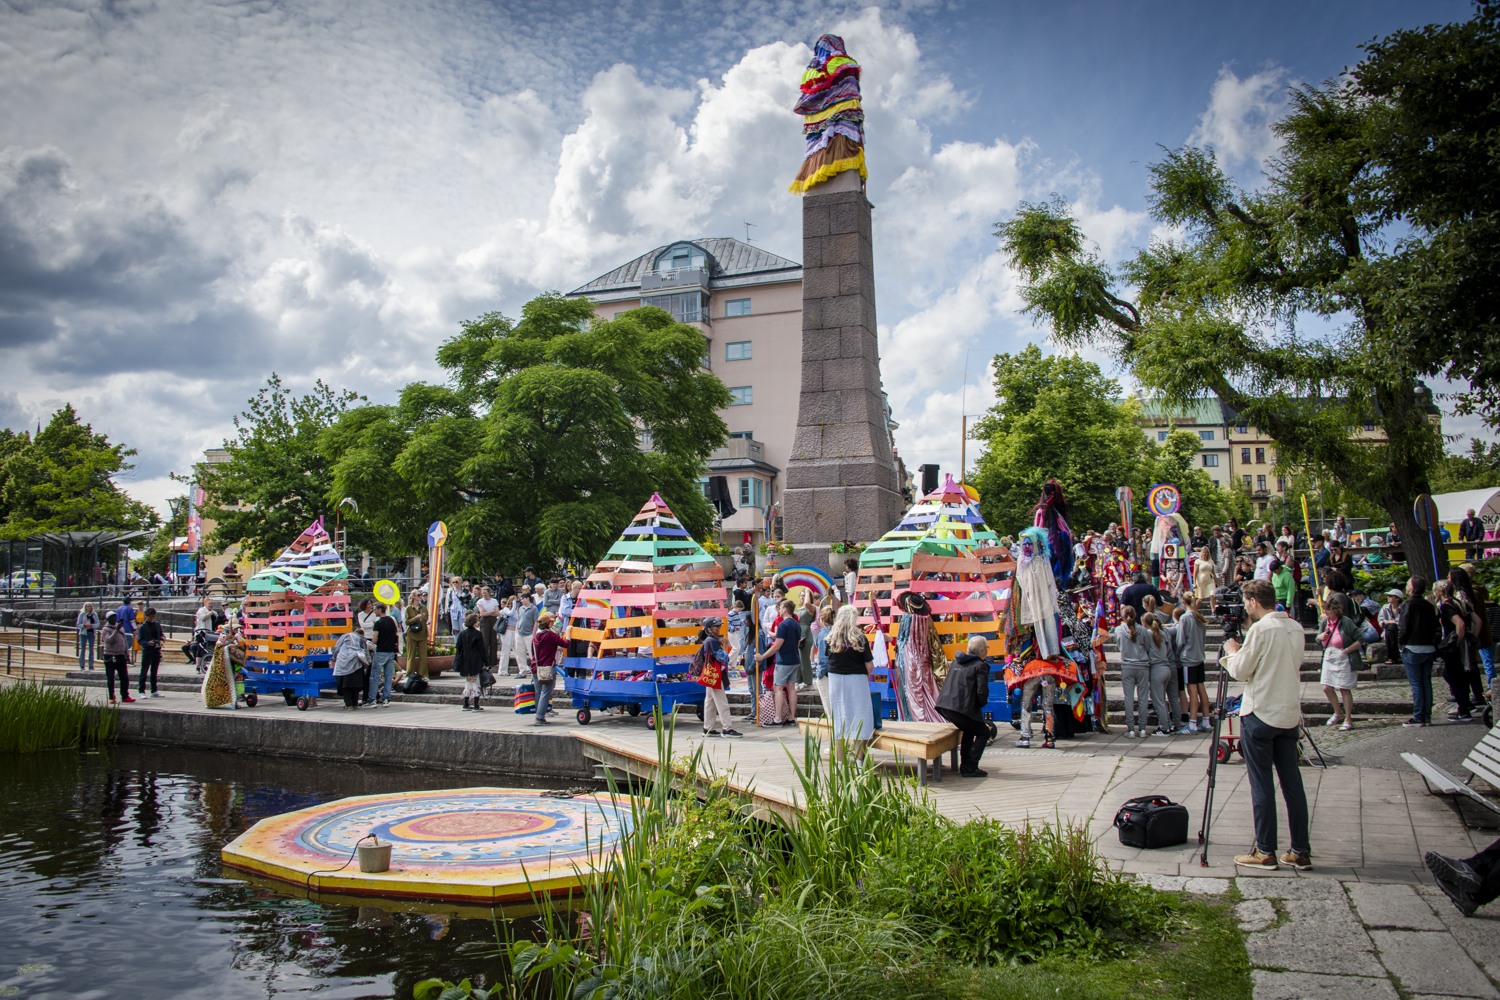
{"points": [[650, 719], [632, 710], [301, 704], [288, 697], [251, 698], [1222, 752], [584, 716]]}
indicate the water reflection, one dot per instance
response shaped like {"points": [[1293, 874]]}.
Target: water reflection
{"points": [[111, 886]]}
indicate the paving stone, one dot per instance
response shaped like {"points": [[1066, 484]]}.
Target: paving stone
{"points": [[1255, 914], [1478, 935], [1431, 963], [1260, 887], [1300, 985], [1185, 883], [1383, 905], [1318, 936]]}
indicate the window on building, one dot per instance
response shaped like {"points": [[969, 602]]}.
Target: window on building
{"points": [[1162, 435], [1246, 480], [1260, 456], [703, 486], [1244, 456], [678, 257], [1206, 435], [1260, 508], [1369, 427], [1281, 484], [643, 439], [1210, 461], [737, 307], [741, 395], [1260, 483], [1241, 429], [737, 350], [685, 307], [743, 435], [752, 492]]}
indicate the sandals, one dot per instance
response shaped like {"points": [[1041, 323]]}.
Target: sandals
{"points": [[1346, 727]]}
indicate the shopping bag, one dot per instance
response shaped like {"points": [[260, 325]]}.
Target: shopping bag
{"points": [[525, 700]]}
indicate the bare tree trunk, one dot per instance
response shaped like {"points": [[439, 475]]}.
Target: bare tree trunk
{"points": [[1418, 545]]}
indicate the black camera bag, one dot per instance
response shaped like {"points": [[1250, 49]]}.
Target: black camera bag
{"points": [[1152, 821]]}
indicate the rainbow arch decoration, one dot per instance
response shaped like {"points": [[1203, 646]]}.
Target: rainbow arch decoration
{"points": [[943, 550], [298, 606], [643, 602], [814, 579]]}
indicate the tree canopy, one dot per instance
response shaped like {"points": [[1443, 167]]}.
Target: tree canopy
{"points": [[548, 436], [276, 481], [1331, 236], [1059, 417], [63, 480]]}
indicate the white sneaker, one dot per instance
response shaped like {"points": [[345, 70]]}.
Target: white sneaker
{"points": [[1192, 727]]}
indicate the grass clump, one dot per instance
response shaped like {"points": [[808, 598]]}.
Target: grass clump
{"points": [[34, 717], [867, 892]]}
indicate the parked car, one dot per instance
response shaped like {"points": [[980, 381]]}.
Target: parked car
{"points": [[29, 582]]}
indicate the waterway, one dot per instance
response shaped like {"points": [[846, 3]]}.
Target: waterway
{"points": [[111, 885]]}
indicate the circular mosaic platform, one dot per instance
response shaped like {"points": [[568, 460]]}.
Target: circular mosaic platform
{"points": [[461, 845]]}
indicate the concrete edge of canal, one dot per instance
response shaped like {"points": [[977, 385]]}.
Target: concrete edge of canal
{"points": [[536, 755]]}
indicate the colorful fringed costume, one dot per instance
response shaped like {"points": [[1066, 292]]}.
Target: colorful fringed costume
{"points": [[1051, 515], [1031, 629], [918, 660], [832, 120]]}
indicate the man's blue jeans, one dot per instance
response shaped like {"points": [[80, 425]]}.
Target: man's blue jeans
{"points": [[1265, 747], [382, 669], [1419, 676]]}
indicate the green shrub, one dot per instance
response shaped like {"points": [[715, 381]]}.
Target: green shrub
{"points": [[35, 717], [996, 894]]}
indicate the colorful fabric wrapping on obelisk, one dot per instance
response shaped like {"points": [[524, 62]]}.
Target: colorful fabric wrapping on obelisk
{"points": [[832, 120]]}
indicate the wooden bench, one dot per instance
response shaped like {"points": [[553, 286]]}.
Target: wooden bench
{"points": [[925, 742], [1483, 762]]}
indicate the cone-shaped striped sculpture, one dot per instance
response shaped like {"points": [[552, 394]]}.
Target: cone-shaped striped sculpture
{"points": [[297, 606]]}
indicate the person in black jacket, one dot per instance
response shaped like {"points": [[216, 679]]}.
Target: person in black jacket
{"points": [[1470, 883], [150, 636], [468, 660], [965, 693], [1417, 626]]}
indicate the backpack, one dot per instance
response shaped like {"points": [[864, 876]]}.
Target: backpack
{"points": [[699, 661]]}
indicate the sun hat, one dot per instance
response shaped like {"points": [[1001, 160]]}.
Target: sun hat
{"points": [[1393, 592]]}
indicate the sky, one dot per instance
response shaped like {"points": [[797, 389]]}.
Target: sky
{"points": [[194, 194]]}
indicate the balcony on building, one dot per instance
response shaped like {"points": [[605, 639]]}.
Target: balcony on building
{"points": [[740, 453]]}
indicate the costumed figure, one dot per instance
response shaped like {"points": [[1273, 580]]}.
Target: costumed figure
{"points": [[1114, 573], [1171, 556], [1035, 662], [218, 680], [1051, 515], [833, 123], [913, 671]]}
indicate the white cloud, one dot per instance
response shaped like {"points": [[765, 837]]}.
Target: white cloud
{"points": [[1237, 121]]}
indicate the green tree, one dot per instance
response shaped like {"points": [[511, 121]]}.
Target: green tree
{"points": [[276, 481], [1478, 469], [532, 451], [63, 480], [1433, 146], [1055, 416], [1223, 307]]}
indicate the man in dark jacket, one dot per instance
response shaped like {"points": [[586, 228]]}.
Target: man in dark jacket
{"points": [[1137, 592], [1417, 625], [965, 693], [1471, 530], [150, 638]]}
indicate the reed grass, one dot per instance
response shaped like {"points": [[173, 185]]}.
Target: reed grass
{"points": [[867, 892], [37, 717]]}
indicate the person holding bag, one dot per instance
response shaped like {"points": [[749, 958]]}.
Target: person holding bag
{"points": [[712, 673], [545, 646], [1342, 659]]}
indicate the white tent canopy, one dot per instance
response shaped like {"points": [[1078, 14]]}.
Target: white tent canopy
{"points": [[1485, 503]]}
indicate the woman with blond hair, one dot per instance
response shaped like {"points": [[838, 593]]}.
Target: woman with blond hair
{"points": [[849, 662]]}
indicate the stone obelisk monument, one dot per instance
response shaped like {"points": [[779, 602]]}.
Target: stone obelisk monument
{"points": [[841, 479]]}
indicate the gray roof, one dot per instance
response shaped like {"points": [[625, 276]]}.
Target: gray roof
{"points": [[728, 258]]}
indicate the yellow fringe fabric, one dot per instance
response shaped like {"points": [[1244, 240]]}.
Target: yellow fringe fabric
{"points": [[830, 169], [833, 109]]}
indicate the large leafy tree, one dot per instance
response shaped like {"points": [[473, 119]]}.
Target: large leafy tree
{"points": [[63, 480], [1433, 99], [1055, 416], [276, 481], [1222, 308], [533, 451]]}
